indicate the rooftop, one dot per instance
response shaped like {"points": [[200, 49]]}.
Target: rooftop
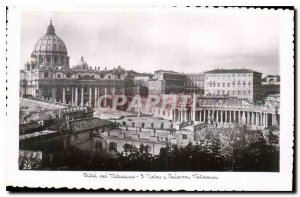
{"points": [[240, 70], [165, 71], [87, 124]]}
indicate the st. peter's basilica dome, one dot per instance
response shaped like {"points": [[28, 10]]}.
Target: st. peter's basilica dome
{"points": [[51, 50]]}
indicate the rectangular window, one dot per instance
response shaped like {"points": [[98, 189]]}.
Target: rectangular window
{"points": [[112, 146], [184, 136], [99, 145]]}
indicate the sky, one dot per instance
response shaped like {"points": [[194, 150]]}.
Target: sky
{"points": [[183, 41]]}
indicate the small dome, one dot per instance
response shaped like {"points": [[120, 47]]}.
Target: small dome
{"points": [[82, 64], [50, 43]]}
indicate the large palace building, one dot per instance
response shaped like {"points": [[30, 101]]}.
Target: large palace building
{"points": [[240, 83], [48, 75]]}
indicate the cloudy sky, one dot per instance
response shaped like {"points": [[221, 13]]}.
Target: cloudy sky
{"points": [[148, 41]]}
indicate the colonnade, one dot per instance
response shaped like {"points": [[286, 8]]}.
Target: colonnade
{"points": [[76, 96], [250, 117]]}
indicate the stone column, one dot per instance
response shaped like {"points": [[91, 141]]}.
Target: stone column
{"points": [[273, 119], [40, 90], [90, 96], [193, 111], [185, 115], [229, 116], [200, 116], [234, 116], [72, 95], [54, 94], [95, 101], [217, 117], [82, 101], [64, 95], [221, 116], [76, 96]]}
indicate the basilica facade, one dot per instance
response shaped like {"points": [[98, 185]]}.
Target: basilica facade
{"points": [[48, 75]]}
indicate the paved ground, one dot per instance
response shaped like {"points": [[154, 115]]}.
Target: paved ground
{"points": [[120, 116], [147, 120], [108, 114], [34, 113]]}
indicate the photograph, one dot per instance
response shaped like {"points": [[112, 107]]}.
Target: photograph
{"points": [[149, 91], [142, 94]]}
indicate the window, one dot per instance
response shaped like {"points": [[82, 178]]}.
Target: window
{"points": [[126, 147], [79, 76], [223, 85], [119, 76], [228, 85], [218, 84], [99, 145], [46, 74], [109, 77], [112, 146], [55, 60], [58, 76], [184, 136]]}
